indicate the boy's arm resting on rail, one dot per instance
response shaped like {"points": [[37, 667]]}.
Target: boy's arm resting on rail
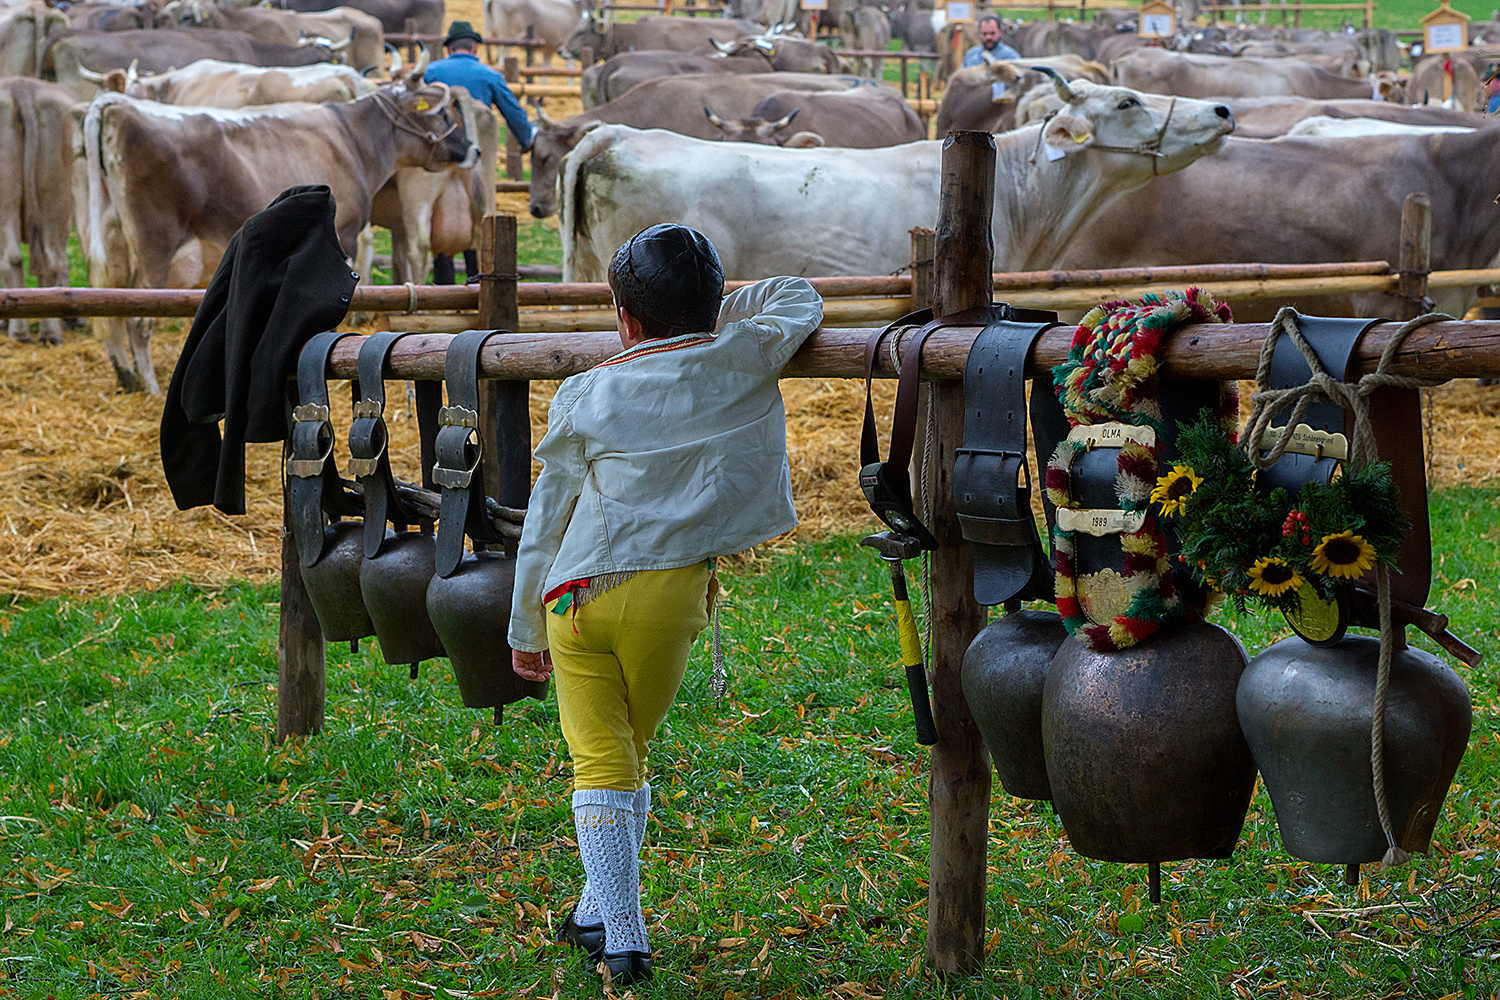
{"points": [[547, 515], [780, 313]]}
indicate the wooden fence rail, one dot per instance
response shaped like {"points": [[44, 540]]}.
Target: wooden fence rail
{"points": [[557, 307], [32, 303]]}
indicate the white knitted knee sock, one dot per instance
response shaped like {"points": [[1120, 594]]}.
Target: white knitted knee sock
{"points": [[587, 913], [604, 820], [640, 812]]}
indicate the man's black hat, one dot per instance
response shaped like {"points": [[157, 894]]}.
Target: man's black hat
{"points": [[461, 30], [670, 274]]}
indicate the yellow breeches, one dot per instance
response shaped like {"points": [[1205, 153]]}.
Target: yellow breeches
{"points": [[618, 662]]}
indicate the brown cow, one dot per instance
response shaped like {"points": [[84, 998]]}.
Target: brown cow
{"points": [[859, 118], [165, 188], [36, 199]]}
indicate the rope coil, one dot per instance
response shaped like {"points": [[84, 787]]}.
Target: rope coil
{"points": [[1353, 396]]}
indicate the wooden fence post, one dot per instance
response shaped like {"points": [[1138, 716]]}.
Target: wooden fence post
{"points": [[923, 249], [300, 649], [504, 405], [1416, 255], [959, 790], [513, 166], [411, 46]]}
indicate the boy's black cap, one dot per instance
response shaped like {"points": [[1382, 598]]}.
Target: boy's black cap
{"points": [[462, 30], [671, 274]]}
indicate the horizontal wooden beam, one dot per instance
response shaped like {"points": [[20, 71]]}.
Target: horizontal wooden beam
{"points": [[1446, 350]]}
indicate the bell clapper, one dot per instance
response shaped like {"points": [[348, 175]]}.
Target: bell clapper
{"points": [[499, 714], [354, 647], [1351, 874], [414, 668], [1153, 869]]}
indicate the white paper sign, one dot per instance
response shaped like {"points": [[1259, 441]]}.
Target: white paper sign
{"points": [[814, 4], [1445, 37], [1053, 153], [960, 10], [998, 90], [1156, 25]]}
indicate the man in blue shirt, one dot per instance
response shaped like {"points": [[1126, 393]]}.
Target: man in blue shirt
{"points": [[1492, 91], [463, 69], [990, 46]]}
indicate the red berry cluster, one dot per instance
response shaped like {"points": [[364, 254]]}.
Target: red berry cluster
{"points": [[1297, 523]]}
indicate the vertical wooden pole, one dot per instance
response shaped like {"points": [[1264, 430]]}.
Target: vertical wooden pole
{"points": [[904, 61], [513, 165], [530, 50], [505, 406], [1416, 255], [412, 43], [959, 792], [299, 645], [923, 249]]}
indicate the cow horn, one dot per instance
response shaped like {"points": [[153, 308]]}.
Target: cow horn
{"points": [[396, 61], [541, 116], [421, 67], [133, 73], [714, 119], [725, 48], [1063, 90], [782, 123], [337, 46], [90, 75]]}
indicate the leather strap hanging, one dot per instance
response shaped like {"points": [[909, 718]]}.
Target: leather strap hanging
{"points": [[313, 484], [991, 483], [368, 441], [887, 485], [459, 452], [1332, 340], [1395, 419]]}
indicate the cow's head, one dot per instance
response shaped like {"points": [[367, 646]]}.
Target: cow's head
{"points": [[592, 32], [1167, 132], [762, 131], [1388, 88], [426, 122], [550, 143]]}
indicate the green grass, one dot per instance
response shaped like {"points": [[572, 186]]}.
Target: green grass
{"points": [[156, 842]]}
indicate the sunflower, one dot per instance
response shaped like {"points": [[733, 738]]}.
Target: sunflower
{"points": [[1173, 489], [1272, 577], [1344, 556]]}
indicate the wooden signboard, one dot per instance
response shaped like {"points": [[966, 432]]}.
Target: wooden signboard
{"points": [[1157, 20], [960, 10], [1445, 30]]}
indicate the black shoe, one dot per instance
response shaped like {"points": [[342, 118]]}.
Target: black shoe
{"points": [[589, 937], [628, 967]]}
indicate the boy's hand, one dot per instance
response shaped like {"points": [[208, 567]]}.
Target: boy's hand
{"points": [[532, 666]]}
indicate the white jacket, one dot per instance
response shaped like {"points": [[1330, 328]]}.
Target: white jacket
{"points": [[666, 454]]}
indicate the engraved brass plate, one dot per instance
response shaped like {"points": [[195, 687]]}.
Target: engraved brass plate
{"points": [[1308, 441], [1112, 435], [310, 413], [1106, 595], [1100, 522]]}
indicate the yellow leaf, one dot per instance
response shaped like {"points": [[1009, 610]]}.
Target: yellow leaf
{"points": [[234, 915], [731, 942], [137, 811]]}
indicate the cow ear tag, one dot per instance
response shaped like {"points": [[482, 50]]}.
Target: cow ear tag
{"points": [[998, 90], [1065, 134], [422, 104]]}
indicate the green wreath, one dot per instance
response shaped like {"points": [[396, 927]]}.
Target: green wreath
{"points": [[1266, 548]]}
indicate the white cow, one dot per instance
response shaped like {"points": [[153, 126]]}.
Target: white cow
{"points": [[1324, 127], [550, 21], [213, 83], [771, 210]]}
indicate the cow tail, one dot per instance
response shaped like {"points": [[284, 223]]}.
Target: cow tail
{"points": [[31, 205], [93, 127], [568, 214]]}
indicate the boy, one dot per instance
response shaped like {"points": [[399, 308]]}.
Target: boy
{"points": [[656, 461]]}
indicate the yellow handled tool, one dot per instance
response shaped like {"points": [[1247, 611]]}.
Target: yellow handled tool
{"points": [[894, 548]]}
